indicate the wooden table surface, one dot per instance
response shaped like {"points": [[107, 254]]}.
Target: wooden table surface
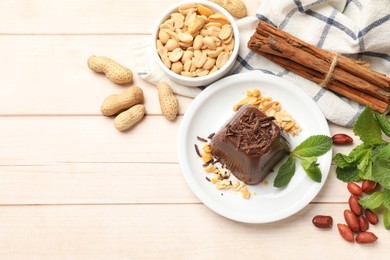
{"points": [[73, 187]]}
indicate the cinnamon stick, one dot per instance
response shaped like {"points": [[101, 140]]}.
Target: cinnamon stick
{"points": [[347, 77], [335, 86], [294, 52], [344, 63]]}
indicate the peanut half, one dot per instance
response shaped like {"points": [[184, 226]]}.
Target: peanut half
{"points": [[168, 101], [113, 70], [116, 103], [130, 117]]}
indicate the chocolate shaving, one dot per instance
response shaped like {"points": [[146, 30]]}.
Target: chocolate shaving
{"points": [[197, 150], [201, 139], [206, 164], [252, 133], [211, 135]]}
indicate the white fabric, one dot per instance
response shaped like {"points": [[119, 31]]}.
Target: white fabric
{"points": [[345, 26], [149, 70]]}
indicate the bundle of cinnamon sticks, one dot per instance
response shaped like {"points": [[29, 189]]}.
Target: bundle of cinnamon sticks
{"points": [[342, 75]]}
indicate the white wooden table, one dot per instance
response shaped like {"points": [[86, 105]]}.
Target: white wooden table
{"points": [[72, 186]]}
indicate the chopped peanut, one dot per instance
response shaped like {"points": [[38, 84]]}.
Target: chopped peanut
{"points": [[206, 157], [270, 108], [245, 192]]}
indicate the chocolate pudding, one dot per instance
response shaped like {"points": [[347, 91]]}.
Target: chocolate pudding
{"points": [[250, 144]]}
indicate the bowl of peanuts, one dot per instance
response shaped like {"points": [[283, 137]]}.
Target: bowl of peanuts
{"points": [[195, 42]]}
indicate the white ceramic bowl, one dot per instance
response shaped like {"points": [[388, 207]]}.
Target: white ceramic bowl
{"points": [[202, 80]]}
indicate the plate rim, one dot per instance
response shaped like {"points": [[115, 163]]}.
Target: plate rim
{"points": [[212, 88]]}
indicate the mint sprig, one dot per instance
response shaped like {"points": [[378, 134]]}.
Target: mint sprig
{"points": [[315, 145], [285, 173], [368, 128], [374, 201], [370, 160], [307, 152], [386, 218]]}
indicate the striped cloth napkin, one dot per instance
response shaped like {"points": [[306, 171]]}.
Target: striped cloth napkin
{"points": [[357, 28]]}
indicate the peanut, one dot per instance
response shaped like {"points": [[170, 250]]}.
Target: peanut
{"points": [[204, 35], [354, 205], [351, 220], [168, 101], [113, 70], [321, 221], [354, 189], [116, 103], [371, 217], [236, 8], [129, 118], [345, 232], [366, 238], [342, 139], [368, 186], [203, 10], [363, 223]]}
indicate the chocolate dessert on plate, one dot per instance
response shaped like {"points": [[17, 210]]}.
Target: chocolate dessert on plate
{"points": [[250, 144]]}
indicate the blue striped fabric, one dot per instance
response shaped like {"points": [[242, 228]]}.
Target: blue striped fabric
{"points": [[356, 28]]}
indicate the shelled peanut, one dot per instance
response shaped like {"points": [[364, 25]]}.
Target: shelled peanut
{"points": [[195, 41], [271, 108], [357, 220]]}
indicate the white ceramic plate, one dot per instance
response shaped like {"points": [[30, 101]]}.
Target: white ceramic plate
{"points": [[208, 113]]}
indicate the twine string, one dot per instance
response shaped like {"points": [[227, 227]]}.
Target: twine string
{"points": [[329, 75]]}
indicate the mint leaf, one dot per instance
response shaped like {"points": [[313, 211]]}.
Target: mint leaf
{"points": [[368, 128], [352, 159], [365, 166], [383, 123], [366, 174], [360, 158], [386, 198], [348, 174], [285, 173], [365, 159], [386, 218], [308, 161], [373, 201], [381, 152], [341, 161], [381, 165], [315, 145], [310, 166], [381, 172]]}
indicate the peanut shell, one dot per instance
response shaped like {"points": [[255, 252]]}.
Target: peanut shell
{"points": [[129, 118], [113, 70], [168, 101]]}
